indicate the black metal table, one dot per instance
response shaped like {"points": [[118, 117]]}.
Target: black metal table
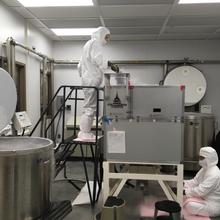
{"points": [[69, 146]]}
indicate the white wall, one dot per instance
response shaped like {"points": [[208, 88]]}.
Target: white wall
{"points": [[148, 50], [13, 25]]}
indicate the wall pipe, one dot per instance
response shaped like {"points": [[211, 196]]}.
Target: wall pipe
{"points": [[128, 62], [44, 95], [184, 61], [13, 42], [10, 48], [145, 62], [65, 62], [52, 93], [10, 53]]}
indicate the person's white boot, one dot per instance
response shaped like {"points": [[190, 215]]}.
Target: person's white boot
{"points": [[85, 128], [86, 135]]}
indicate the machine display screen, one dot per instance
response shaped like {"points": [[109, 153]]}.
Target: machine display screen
{"points": [[156, 109]]}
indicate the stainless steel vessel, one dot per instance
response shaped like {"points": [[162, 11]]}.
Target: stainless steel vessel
{"points": [[199, 130], [26, 166]]}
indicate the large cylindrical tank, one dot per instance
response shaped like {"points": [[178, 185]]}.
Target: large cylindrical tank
{"points": [[26, 169], [199, 130]]}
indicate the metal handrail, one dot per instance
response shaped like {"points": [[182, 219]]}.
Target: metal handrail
{"points": [[66, 97]]}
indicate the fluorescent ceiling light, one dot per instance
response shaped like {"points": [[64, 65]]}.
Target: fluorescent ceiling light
{"points": [[73, 31], [198, 1], [55, 3]]}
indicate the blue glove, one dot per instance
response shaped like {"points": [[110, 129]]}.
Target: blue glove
{"points": [[107, 120]]}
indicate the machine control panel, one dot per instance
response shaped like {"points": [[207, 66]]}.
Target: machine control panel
{"points": [[21, 120]]}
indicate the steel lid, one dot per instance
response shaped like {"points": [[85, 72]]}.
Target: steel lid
{"points": [[8, 98], [192, 79], [23, 145]]}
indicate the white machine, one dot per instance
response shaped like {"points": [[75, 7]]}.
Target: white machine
{"points": [[22, 122], [143, 123]]}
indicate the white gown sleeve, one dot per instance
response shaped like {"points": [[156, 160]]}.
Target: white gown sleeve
{"points": [[98, 58], [193, 182], [204, 188], [79, 67]]}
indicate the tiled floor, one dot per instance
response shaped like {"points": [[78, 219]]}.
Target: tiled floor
{"points": [[62, 190]]}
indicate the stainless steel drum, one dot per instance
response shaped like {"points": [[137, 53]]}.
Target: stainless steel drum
{"points": [[26, 166], [199, 130]]}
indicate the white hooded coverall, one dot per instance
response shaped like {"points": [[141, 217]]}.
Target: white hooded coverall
{"points": [[205, 186], [91, 68]]}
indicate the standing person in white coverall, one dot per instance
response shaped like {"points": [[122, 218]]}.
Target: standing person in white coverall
{"points": [[91, 68], [203, 191]]}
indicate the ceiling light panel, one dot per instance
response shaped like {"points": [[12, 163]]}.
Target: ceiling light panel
{"points": [[198, 1], [73, 31], [193, 21], [55, 3], [134, 22], [136, 2], [72, 23]]}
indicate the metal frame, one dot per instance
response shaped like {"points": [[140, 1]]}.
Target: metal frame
{"points": [[156, 175], [97, 159], [68, 146]]}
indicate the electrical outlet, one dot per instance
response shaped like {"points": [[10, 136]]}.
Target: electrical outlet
{"points": [[68, 107]]}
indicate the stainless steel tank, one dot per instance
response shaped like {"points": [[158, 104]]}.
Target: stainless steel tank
{"points": [[199, 130], [26, 166]]}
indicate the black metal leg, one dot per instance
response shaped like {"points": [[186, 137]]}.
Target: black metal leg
{"points": [[92, 151], [61, 163], [55, 151], [65, 151], [100, 175], [86, 174], [70, 181], [96, 158], [155, 213], [64, 171], [73, 184], [95, 148]]}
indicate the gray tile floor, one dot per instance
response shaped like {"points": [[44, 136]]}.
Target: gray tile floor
{"points": [[62, 190]]}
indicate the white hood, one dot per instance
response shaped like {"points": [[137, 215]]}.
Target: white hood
{"points": [[99, 34], [210, 155]]}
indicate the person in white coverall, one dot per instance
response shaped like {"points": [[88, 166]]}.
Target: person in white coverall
{"points": [[203, 191], [91, 68]]}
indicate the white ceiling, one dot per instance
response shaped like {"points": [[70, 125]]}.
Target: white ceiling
{"points": [[129, 20]]}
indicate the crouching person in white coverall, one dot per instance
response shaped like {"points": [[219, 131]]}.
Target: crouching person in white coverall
{"points": [[91, 68], [203, 191]]}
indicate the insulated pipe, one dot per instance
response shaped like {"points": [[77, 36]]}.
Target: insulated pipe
{"points": [[13, 72], [10, 46], [10, 53], [30, 50], [66, 62], [52, 92], [144, 62], [132, 62], [44, 92], [165, 71]]}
